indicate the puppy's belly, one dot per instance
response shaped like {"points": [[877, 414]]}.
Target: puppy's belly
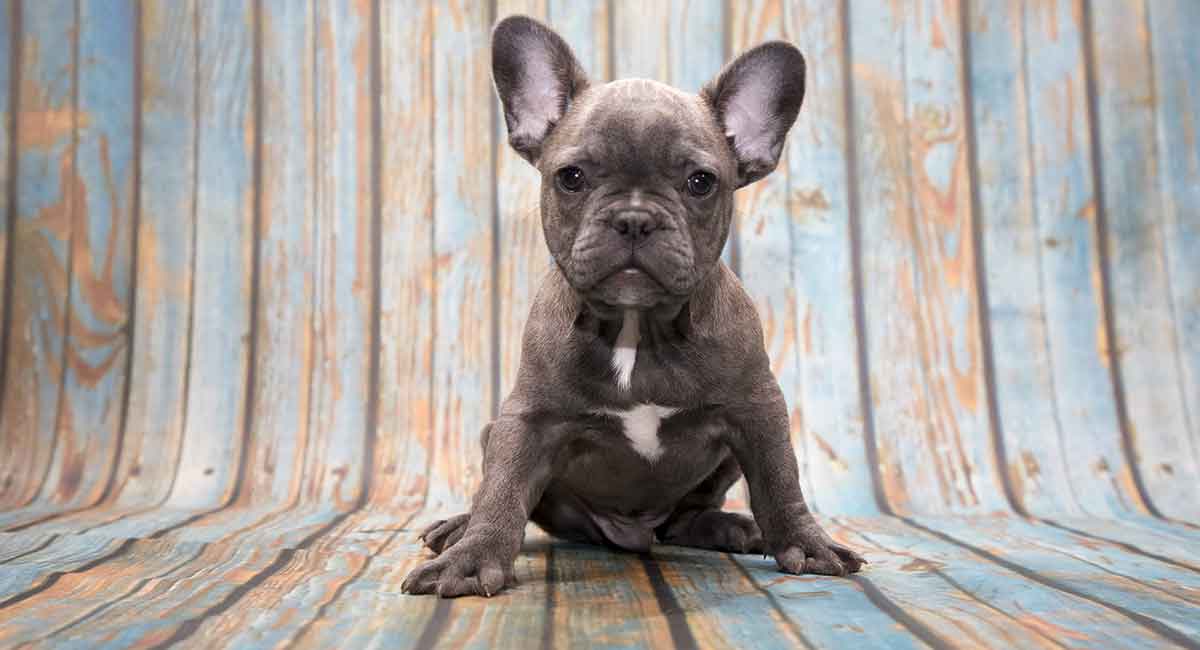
{"points": [[623, 480]]}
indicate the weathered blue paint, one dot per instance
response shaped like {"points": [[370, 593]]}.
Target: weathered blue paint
{"points": [[224, 526], [927, 381], [1145, 346], [405, 437], [463, 372], [828, 402], [97, 333], [8, 51], [165, 246], [1053, 390], [1176, 69], [223, 266], [38, 297]]}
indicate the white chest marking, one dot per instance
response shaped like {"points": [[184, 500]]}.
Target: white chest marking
{"points": [[625, 351], [641, 427]]}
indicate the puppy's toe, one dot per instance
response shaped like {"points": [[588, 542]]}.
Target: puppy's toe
{"points": [[443, 534], [423, 579]]}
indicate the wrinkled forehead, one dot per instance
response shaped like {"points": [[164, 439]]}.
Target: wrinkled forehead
{"points": [[633, 123]]}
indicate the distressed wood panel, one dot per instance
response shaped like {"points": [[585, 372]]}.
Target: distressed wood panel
{"points": [[926, 365], [50, 188], [95, 354], [1011, 185], [1145, 350], [1176, 71], [9, 53], [223, 270], [743, 601], [954, 596], [407, 292], [311, 367], [290, 247], [345, 282], [165, 247], [464, 390], [1055, 409], [828, 399]]}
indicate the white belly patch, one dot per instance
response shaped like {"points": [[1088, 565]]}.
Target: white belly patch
{"points": [[641, 427]]}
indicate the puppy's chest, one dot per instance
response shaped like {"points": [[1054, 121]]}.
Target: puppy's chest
{"points": [[641, 425]]}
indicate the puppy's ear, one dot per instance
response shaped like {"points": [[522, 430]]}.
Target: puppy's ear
{"points": [[536, 76], [756, 99]]}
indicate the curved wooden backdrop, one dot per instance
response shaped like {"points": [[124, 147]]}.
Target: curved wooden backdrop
{"points": [[265, 266]]}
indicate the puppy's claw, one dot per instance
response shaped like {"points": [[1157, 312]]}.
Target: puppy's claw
{"points": [[821, 558], [461, 571]]}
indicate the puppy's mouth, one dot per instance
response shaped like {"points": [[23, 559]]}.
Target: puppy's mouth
{"points": [[629, 288]]}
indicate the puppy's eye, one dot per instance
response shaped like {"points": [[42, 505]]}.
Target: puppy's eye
{"points": [[570, 179], [701, 184]]}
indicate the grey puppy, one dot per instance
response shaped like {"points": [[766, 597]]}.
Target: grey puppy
{"points": [[644, 389]]}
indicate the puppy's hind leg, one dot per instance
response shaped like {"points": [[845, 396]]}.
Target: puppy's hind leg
{"points": [[444, 533], [712, 529], [699, 522]]}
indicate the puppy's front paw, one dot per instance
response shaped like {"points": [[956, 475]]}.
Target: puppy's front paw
{"points": [[464, 569], [812, 551], [444, 533]]}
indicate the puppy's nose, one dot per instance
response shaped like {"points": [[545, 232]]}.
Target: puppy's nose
{"points": [[634, 225]]}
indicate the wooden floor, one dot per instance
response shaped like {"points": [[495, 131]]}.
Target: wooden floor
{"points": [[323, 578], [265, 266]]}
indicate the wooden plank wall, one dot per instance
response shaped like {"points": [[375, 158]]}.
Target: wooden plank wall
{"points": [[271, 260]]}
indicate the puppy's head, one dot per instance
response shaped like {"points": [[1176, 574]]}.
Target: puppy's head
{"points": [[638, 177]]}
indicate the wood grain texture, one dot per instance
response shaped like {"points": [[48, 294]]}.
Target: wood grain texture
{"points": [[407, 292], [965, 600], [738, 601], [1061, 434], [97, 328], [296, 230], [922, 331], [50, 189], [223, 270], [154, 426], [308, 434], [1176, 68], [1120, 581], [290, 249], [828, 402], [1145, 351], [463, 378], [9, 57]]}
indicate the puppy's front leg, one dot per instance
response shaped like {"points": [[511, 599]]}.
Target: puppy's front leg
{"points": [[759, 439], [515, 472]]}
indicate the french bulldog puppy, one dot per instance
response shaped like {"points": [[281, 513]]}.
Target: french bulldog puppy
{"points": [[644, 389]]}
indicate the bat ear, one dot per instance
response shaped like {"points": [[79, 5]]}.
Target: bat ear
{"points": [[536, 76], [756, 99]]}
